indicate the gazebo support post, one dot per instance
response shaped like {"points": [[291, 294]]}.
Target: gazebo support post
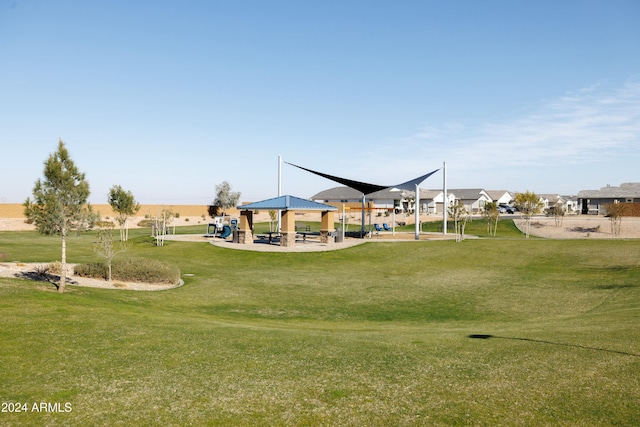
{"points": [[326, 227], [245, 233], [288, 232]]}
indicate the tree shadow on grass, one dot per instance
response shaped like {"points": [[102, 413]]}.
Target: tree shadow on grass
{"points": [[487, 336], [43, 277]]}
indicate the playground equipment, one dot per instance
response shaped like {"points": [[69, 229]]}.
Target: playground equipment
{"points": [[219, 229]]}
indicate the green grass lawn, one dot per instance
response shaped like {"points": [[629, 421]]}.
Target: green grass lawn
{"points": [[379, 334]]}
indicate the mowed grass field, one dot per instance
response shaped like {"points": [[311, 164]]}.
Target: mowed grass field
{"points": [[483, 332]]}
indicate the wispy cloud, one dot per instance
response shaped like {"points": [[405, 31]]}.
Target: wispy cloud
{"points": [[581, 127]]}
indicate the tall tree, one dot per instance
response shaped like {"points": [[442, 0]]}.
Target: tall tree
{"points": [[225, 198], [529, 204], [58, 204], [124, 205]]}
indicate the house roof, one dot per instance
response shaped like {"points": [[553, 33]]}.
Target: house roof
{"points": [[287, 203], [550, 196], [429, 194], [338, 193], [347, 193], [468, 193], [496, 194], [625, 190]]}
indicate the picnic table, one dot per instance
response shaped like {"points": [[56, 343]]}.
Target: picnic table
{"points": [[271, 234], [304, 234]]}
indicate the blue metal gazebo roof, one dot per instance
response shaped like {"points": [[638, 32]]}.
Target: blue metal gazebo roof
{"points": [[288, 203]]}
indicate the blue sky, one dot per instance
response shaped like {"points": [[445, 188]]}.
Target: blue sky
{"points": [[168, 99]]}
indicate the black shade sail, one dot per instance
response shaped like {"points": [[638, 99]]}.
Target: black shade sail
{"points": [[366, 188]]}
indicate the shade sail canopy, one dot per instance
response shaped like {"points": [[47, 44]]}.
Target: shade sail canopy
{"points": [[411, 185], [362, 187], [287, 203], [366, 188]]}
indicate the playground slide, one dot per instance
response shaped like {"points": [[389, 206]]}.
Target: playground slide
{"points": [[226, 232]]}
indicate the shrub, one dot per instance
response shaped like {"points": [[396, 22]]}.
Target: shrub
{"points": [[95, 270], [132, 270], [55, 267], [145, 223], [41, 271], [105, 224]]}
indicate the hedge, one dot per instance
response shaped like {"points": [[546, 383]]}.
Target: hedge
{"points": [[132, 270]]}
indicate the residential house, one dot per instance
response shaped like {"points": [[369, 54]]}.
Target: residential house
{"points": [[384, 200], [593, 201], [570, 204], [431, 201], [500, 197], [473, 199], [551, 201]]}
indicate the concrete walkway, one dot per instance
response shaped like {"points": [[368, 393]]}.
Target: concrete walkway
{"points": [[310, 245]]}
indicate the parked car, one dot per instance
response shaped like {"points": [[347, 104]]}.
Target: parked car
{"points": [[506, 209]]}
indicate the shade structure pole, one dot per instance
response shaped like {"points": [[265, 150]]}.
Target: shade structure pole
{"points": [[445, 200], [343, 213], [362, 219], [393, 218], [279, 190], [417, 212]]}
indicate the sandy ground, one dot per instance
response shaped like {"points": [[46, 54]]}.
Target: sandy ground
{"points": [[581, 227]]}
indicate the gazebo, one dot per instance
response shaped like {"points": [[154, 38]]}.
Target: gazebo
{"points": [[288, 205]]}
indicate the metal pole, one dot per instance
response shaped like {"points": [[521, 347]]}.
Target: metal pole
{"points": [[362, 219], [279, 190], [393, 224], [417, 212], [445, 200], [343, 213]]}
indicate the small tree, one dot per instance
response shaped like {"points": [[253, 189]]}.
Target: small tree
{"points": [[460, 216], [558, 214], [615, 212], [58, 204], [105, 247], [225, 198], [273, 215], [491, 214], [124, 205], [529, 204], [160, 226]]}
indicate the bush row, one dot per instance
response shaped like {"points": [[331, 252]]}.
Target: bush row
{"points": [[132, 270], [623, 209]]}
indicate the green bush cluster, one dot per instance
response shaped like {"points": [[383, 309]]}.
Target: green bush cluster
{"points": [[145, 223], [132, 270], [97, 270]]}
